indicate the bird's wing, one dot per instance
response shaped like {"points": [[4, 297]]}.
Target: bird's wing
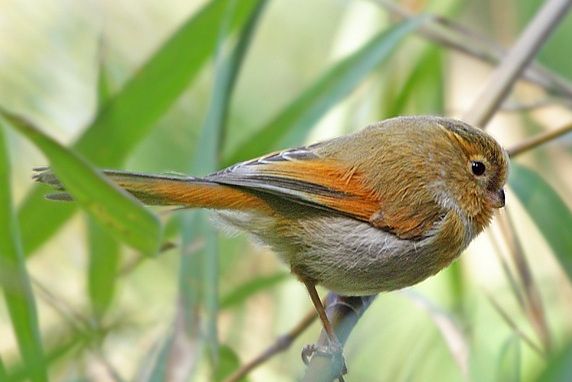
{"points": [[305, 177]]}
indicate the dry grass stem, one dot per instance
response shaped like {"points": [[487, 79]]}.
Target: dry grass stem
{"points": [[451, 34], [506, 317], [534, 307], [514, 286], [281, 344], [519, 56], [449, 329], [538, 140]]}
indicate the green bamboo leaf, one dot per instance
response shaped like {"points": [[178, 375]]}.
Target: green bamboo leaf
{"points": [[54, 352], [510, 361], [558, 367], [129, 115], [423, 90], [291, 125], [3, 375], [14, 278], [104, 254], [103, 80], [249, 288], [229, 362], [161, 360], [549, 212], [118, 212], [104, 259]]}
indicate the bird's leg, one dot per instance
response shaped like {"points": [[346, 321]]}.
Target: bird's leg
{"points": [[334, 350], [321, 311]]}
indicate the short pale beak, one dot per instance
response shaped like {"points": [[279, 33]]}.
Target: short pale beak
{"points": [[497, 198]]}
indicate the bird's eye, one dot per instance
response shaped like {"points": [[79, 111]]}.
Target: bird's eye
{"points": [[477, 167]]}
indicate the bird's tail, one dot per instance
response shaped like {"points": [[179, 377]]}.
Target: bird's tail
{"points": [[167, 190]]}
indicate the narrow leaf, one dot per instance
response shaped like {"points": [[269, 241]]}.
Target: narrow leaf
{"points": [[510, 359], [14, 278], [559, 367], [104, 259], [158, 372], [448, 327], [292, 124], [54, 352], [423, 90], [117, 211], [548, 211], [103, 81], [3, 375], [129, 115], [104, 254], [229, 362], [249, 288]]}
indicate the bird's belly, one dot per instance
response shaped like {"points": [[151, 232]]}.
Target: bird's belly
{"points": [[344, 255], [354, 258]]}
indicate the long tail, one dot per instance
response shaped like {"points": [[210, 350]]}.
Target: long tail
{"points": [[166, 190]]}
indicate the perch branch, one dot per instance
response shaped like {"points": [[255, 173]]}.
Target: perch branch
{"points": [[343, 313]]}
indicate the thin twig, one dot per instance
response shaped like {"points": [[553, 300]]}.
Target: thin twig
{"points": [[282, 344], [506, 317], [514, 286], [503, 78], [134, 263], [449, 329], [534, 308], [538, 140], [79, 323], [75, 319], [107, 365], [514, 107], [455, 36]]}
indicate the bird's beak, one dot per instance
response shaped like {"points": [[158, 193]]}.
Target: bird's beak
{"points": [[497, 198]]}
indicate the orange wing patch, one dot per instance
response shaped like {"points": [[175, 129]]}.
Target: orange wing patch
{"points": [[344, 189], [323, 183]]}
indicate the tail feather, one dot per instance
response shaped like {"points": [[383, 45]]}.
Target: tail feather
{"points": [[167, 190]]}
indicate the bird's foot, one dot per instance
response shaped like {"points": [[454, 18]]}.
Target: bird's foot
{"points": [[333, 351]]}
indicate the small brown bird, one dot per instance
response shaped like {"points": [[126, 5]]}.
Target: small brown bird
{"points": [[378, 210]]}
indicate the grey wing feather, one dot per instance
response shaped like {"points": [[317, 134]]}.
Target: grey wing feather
{"points": [[257, 174]]}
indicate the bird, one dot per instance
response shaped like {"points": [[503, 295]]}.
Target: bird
{"points": [[378, 210]]}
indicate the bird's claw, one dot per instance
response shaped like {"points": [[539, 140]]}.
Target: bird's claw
{"points": [[333, 351]]}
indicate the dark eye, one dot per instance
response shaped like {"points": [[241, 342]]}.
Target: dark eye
{"points": [[478, 168]]}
